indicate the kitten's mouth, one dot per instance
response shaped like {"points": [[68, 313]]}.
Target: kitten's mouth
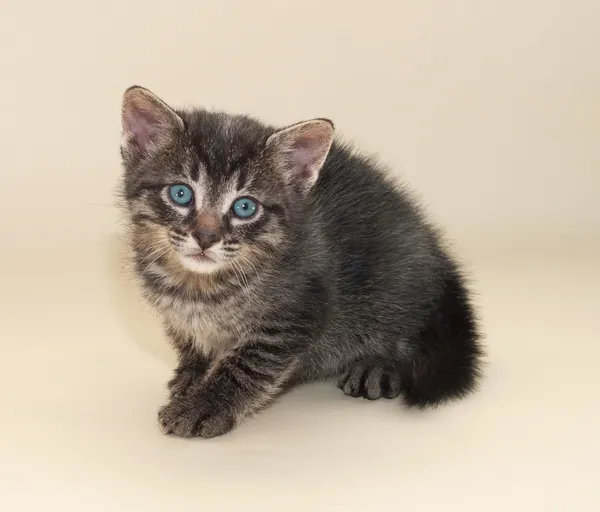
{"points": [[202, 257]]}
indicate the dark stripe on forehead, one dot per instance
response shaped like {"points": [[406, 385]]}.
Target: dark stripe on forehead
{"points": [[241, 163], [242, 176], [242, 159], [195, 174], [202, 162]]}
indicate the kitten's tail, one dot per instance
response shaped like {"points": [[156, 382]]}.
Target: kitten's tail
{"points": [[447, 363]]}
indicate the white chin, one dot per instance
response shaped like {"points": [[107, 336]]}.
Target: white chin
{"points": [[200, 266]]}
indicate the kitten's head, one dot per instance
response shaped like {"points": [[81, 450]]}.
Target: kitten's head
{"points": [[208, 191]]}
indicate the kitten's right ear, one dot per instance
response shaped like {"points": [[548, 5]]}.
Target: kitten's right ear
{"points": [[148, 123]]}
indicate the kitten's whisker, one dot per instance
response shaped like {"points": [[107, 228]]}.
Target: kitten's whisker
{"points": [[249, 262], [244, 279], [153, 251], [159, 249], [99, 204], [160, 255], [235, 270]]}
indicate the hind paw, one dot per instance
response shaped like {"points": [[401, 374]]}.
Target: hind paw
{"points": [[371, 381]]}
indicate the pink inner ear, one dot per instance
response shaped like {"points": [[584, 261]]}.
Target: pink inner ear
{"points": [[306, 151], [142, 125]]}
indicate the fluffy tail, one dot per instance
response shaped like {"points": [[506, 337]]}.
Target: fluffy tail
{"points": [[447, 363]]}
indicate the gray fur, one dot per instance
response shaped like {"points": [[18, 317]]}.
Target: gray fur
{"points": [[343, 278]]}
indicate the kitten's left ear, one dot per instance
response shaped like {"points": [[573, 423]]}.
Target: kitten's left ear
{"points": [[300, 151], [148, 123]]}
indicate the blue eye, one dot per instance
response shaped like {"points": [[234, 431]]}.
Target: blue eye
{"points": [[244, 208], [181, 194]]}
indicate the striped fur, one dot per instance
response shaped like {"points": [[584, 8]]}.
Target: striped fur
{"points": [[343, 278]]}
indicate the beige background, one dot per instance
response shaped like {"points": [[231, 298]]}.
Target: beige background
{"points": [[489, 109]]}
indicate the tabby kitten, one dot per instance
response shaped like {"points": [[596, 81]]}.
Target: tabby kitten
{"points": [[279, 256]]}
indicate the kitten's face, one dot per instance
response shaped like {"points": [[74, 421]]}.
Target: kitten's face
{"points": [[212, 224], [208, 220], [208, 192]]}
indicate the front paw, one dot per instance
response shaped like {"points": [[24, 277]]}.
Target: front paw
{"points": [[181, 381], [195, 418]]}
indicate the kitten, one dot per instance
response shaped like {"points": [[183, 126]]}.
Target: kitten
{"points": [[278, 256]]}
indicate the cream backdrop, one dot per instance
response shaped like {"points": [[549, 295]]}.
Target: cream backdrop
{"points": [[489, 109]]}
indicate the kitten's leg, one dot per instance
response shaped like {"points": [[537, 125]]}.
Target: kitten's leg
{"points": [[238, 385], [190, 369], [371, 379], [192, 365]]}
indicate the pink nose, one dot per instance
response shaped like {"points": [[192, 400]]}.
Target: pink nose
{"points": [[206, 237]]}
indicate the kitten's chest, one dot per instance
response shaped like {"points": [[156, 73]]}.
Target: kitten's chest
{"points": [[212, 329]]}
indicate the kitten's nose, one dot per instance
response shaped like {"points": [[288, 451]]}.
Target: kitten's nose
{"points": [[206, 237]]}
